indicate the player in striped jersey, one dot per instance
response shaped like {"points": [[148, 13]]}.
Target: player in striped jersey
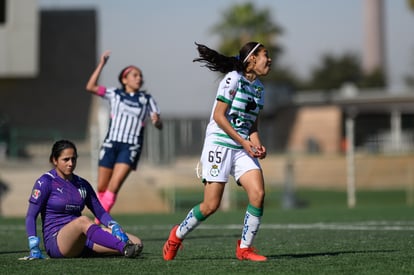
{"points": [[232, 145], [122, 147]]}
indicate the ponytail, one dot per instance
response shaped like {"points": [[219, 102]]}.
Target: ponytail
{"points": [[217, 62]]}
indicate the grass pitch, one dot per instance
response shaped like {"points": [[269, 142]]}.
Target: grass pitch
{"points": [[325, 237]]}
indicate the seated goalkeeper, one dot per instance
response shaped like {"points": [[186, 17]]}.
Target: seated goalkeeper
{"points": [[60, 197]]}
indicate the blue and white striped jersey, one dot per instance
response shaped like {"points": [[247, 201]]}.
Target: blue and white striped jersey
{"points": [[128, 114], [245, 100]]}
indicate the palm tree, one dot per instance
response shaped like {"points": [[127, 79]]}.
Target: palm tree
{"points": [[411, 4], [243, 23]]}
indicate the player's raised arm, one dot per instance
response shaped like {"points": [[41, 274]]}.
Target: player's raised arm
{"points": [[92, 85]]}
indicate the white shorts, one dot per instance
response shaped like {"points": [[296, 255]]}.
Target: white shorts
{"points": [[218, 162]]}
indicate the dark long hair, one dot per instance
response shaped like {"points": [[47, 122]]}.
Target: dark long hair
{"points": [[59, 146], [218, 62]]}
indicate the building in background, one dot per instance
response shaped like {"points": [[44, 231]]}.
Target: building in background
{"points": [[44, 98], [20, 39], [47, 57]]}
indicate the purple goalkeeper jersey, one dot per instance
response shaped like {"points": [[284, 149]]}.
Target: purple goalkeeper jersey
{"points": [[59, 202]]}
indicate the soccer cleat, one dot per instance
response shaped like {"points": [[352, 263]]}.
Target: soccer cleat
{"points": [[249, 254], [172, 245], [132, 250]]}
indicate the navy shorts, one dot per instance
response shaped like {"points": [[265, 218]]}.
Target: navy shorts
{"points": [[117, 152]]}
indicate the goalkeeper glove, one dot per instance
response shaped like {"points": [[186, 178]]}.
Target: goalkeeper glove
{"points": [[35, 252], [117, 231]]}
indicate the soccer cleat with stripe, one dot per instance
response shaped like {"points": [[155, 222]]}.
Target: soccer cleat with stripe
{"points": [[132, 250], [249, 254], [172, 245]]}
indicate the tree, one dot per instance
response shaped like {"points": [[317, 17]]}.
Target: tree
{"points": [[411, 4], [243, 23], [373, 80], [334, 71], [409, 80]]}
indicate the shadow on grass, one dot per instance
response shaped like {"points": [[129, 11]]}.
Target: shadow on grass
{"points": [[14, 252], [335, 253], [284, 256], [196, 237]]}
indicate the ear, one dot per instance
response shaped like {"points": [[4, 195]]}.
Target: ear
{"points": [[251, 63], [253, 59]]}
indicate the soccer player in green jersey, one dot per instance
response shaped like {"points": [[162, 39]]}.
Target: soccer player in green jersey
{"points": [[232, 145]]}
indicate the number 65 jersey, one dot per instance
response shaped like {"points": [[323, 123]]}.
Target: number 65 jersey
{"points": [[245, 100]]}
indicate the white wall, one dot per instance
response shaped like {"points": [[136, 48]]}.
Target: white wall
{"points": [[19, 38]]}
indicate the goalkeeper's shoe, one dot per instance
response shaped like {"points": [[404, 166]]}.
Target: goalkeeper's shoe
{"points": [[249, 254], [132, 250], [172, 245]]}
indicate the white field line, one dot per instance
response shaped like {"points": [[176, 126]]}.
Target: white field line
{"points": [[369, 225], [344, 226]]}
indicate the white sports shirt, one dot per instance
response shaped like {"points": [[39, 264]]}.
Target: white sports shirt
{"points": [[245, 100]]}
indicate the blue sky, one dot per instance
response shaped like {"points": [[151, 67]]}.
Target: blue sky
{"points": [[158, 36]]}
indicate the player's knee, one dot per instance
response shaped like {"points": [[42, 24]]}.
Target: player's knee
{"points": [[257, 198], [261, 194]]}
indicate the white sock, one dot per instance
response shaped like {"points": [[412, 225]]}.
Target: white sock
{"points": [[250, 228], [188, 225]]}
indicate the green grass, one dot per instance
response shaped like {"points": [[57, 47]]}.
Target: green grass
{"points": [[325, 237]]}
